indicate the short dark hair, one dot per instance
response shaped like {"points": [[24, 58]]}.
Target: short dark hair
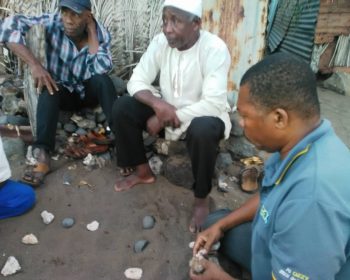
{"points": [[283, 81]]}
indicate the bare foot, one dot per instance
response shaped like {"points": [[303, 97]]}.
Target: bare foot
{"points": [[200, 213], [142, 175]]}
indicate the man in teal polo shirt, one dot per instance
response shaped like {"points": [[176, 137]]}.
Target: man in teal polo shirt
{"points": [[301, 227]]}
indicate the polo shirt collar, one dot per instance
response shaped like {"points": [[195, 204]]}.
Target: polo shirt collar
{"points": [[275, 168]]}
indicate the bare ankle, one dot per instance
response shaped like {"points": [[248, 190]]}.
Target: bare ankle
{"points": [[144, 171]]}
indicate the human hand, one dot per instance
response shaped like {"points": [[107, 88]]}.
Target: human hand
{"points": [[211, 272], [43, 78], [90, 22], [153, 125], [207, 238], [166, 114]]}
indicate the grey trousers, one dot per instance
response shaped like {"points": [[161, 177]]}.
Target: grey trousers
{"points": [[236, 243]]}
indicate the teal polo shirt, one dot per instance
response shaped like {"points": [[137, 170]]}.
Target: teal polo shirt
{"points": [[302, 228]]}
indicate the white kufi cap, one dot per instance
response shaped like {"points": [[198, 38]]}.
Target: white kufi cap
{"points": [[191, 6]]}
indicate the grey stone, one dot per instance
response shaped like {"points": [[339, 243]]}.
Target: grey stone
{"points": [[81, 131], [106, 156], [140, 245], [170, 148], [177, 169], [236, 129], [148, 222], [59, 126], [13, 147], [86, 124], [240, 147], [235, 169], [68, 222], [14, 120], [149, 140], [119, 84], [91, 116], [10, 104], [100, 117], [70, 127], [223, 160]]}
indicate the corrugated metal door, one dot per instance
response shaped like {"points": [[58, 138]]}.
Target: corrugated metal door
{"points": [[293, 28]]}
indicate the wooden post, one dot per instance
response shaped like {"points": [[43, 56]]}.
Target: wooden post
{"points": [[35, 40]]}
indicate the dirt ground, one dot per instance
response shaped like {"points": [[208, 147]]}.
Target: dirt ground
{"points": [[77, 253]]}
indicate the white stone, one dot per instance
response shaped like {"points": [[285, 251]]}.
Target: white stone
{"points": [[11, 266], [47, 217], [214, 247], [156, 164], [93, 226], [30, 239], [133, 273]]}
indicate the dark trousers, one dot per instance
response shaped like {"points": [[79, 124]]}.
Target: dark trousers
{"points": [[99, 89], [202, 139], [236, 243]]}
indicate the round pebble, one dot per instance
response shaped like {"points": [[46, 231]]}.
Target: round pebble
{"points": [[81, 131], [148, 222], [68, 222], [140, 245], [70, 128]]}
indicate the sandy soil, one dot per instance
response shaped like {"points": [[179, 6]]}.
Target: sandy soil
{"points": [[77, 253]]}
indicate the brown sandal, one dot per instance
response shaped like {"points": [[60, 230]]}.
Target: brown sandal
{"points": [[81, 150], [34, 175], [249, 178]]}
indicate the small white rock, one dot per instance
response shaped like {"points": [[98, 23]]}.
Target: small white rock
{"points": [[133, 273], [93, 226], [11, 266], [47, 217], [30, 239], [214, 247]]}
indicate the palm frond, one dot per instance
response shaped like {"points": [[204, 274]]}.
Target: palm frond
{"points": [[132, 24]]}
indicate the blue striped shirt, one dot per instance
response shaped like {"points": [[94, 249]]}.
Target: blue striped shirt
{"points": [[66, 64]]}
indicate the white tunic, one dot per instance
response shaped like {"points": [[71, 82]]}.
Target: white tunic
{"points": [[5, 171], [193, 80]]}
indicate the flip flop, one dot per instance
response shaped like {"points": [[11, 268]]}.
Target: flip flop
{"points": [[126, 171], [249, 179], [82, 150], [99, 138]]}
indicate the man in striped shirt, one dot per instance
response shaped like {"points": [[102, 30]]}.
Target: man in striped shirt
{"points": [[78, 58]]}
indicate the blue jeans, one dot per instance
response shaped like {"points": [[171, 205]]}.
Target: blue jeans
{"points": [[236, 243], [15, 199]]}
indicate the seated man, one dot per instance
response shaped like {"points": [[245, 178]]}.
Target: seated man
{"points": [[78, 57], [15, 198], [302, 213], [193, 65]]}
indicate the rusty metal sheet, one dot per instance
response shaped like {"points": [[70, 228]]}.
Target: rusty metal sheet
{"points": [[242, 25]]}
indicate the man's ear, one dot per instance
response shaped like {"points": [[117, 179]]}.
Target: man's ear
{"points": [[281, 118], [197, 24]]}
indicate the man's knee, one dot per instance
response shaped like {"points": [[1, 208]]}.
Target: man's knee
{"points": [[205, 128], [122, 105], [100, 78]]}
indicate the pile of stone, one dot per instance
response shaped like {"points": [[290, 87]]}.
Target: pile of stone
{"points": [[167, 158]]}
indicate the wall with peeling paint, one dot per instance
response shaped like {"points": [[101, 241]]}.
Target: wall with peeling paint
{"points": [[242, 25]]}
